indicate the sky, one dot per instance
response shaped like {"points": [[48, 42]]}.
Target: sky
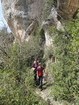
{"points": [[3, 22]]}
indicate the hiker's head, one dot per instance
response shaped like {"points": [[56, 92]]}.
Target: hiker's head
{"points": [[36, 59], [39, 64]]}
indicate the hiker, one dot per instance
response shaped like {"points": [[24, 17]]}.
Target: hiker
{"points": [[35, 65], [40, 70]]}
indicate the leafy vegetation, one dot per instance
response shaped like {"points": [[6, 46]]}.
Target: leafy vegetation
{"points": [[20, 56], [66, 67], [15, 90], [16, 78], [48, 5]]}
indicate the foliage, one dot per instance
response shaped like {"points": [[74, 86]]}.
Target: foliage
{"points": [[66, 67], [16, 79], [19, 56], [14, 89], [48, 5], [6, 41]]}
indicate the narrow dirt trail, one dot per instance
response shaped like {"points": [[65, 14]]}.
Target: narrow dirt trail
{"points": [[45, 94]]}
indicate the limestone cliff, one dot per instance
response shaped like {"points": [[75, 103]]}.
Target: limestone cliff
{"points": [[24, 15], [67, 8]]}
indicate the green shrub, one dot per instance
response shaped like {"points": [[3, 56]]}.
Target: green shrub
{"points": [[15, 91], [48, 5], [66, 67], [20, 56], [6, 41]]}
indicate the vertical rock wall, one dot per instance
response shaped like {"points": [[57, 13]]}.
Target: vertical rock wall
{"points": [[20, 14], [23, 15], [67, 8]]}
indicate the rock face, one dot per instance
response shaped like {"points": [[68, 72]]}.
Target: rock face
{"points": [[22, 14], [67, 8]]}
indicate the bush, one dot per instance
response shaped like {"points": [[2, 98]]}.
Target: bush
{"points": [[15, 91], [6, 41], [66, 67], [21, 56], [48, 5], [16, 79]]}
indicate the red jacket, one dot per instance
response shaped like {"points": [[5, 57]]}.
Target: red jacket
{"points": [[40, 70]]}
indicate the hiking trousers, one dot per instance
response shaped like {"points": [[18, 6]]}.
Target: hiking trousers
{"points": [[40, 80], [35, 75]]}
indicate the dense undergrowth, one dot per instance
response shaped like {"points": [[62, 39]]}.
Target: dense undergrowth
{"points": [[16, 88], [16, 77], [66, 68]]}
